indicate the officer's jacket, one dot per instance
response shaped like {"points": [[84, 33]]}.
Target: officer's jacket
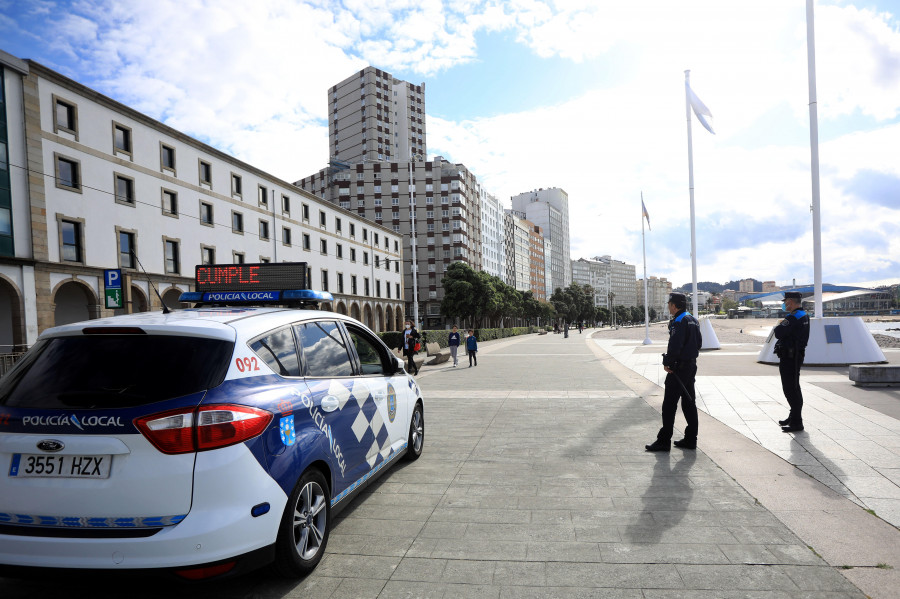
{"points": [[685, 339], [793, 331]]}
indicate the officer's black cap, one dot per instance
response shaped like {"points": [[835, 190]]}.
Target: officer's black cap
{"points": [[678, 299], [793, 295]]}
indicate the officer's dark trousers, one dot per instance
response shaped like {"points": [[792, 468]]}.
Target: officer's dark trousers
{"points": [[789, 369], [674, 391]]}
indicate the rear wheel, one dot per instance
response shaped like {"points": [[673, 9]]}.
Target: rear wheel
{"points": [[305, 525], [416, 440]]}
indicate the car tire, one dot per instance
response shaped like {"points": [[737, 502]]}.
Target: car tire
{"points": [[416, 440], [305, 525]]}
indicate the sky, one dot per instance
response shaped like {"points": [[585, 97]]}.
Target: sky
{"points": [[583, 95]]}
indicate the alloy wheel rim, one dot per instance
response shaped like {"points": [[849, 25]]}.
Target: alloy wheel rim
{"points": [[310, 520]]}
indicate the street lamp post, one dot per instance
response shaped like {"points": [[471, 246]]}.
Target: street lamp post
{"points": [[413, 242]]}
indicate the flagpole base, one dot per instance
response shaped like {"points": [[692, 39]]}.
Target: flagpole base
{"points": [[710, 341], [647, 341], [833, 341]]}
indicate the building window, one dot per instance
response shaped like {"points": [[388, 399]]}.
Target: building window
{"points": [[397, 289], [65, 116], [263, 195], [127, 249], [337, 224], [306, 242], [124, 190], [71, 239], [263, 229], [352, 254], [339, 250], [237, 257], [207, 254], [173, 264], [324, 280], [305, 212], [122, 139], [206, 214], [236, 185], [366, 286], [322, 222], [366, 258], [323, 246], [237, 222], [68, 173], [353, 284], [352, 231], [169, 203], [264, 259], [166, 157], [377, 287], [340, 282], [286, 236], [205, 173], [285, 205]]}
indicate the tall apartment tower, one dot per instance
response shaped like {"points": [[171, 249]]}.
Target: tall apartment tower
{"points": [[375, 117], [549, 209]]}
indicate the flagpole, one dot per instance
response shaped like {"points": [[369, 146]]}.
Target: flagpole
{"points": [[814, 158], [644, 245], [687, 99]]}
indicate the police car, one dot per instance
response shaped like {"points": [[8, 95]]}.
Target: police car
{"points": [[205, 442]]}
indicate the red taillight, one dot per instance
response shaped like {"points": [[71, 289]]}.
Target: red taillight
{"points": [[204, 428], [207, 572]]}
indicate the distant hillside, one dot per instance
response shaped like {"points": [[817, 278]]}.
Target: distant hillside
{"points": [[711, 287]]}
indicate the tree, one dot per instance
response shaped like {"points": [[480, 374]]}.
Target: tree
{"points": [[622, 314], [459, 292], [653, 314], [637, 313]]}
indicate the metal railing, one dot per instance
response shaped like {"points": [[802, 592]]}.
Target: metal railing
{"points": [[7, 361]]}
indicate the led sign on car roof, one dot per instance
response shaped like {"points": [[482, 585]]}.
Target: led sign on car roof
{"points": [[265, 283]]}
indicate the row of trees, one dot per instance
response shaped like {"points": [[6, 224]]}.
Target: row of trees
{"points": [[481, 299]]}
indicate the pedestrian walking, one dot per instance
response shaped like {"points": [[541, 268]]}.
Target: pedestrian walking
{"points": [[472, 348], [453, 344], [793, 335], [680, 362], [408, 347]]}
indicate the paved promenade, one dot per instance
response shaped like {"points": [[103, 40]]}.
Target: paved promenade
{"points": [[534, 483]]}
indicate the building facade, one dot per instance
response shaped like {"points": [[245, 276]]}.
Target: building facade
{"points": [[493, 253], [518, 253], [621, 282], [441, 197], [98, 185], [375, 117], [549, 209], [596, 274], [658, 290], [537, 270]]}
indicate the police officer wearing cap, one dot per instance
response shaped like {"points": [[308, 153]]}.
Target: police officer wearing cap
{"points": [[792, 334], [680, 362]]}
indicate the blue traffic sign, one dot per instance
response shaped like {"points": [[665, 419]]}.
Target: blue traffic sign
{"points": [[113, 278]]}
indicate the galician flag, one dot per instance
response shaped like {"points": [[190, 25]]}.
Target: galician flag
{"points": [[700, 110], [644, 210]]}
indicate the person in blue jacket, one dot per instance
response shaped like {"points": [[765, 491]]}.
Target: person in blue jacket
{"points": [[453, 344], [793, 335], [680, 362], [472, 348]]}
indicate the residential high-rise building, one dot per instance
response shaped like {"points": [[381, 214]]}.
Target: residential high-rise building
{"points": [[621, 282], [658, 290], [373, 116], [596, 274], [549, 209], [537, 272], [445, 200], [518, 253], [493, 254]]}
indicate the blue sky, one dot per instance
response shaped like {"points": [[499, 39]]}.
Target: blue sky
{"points": [[585, 95]]}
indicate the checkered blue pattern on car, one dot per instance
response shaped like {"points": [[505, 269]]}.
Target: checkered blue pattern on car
{"points": [[90, 522]]}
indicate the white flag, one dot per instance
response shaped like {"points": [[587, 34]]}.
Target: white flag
{"points": [[644, 210], [700, 110]]}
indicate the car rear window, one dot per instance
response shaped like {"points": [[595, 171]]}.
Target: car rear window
{"points": [[114, 371]]}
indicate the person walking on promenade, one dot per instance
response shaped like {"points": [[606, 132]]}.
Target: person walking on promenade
{"points": [[410, 338], [793, 335], [680, 362], [453, 344], [472, 348]]}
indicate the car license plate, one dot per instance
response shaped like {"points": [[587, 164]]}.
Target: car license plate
{"points": [[60, 466]]}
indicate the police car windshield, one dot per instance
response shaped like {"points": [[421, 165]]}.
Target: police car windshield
{"points": [[114, 371]]}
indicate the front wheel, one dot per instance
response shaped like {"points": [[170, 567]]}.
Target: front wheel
{"points": [[416, 440], [303, 533]]}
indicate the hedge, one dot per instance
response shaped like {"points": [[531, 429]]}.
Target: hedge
{"points": [[394, 339]]}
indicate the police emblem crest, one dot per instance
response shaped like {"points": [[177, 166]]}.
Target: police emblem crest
{"points": [[391, 402], [286, 426]]}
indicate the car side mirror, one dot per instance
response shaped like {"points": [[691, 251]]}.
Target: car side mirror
{"points": [[399, 366]]}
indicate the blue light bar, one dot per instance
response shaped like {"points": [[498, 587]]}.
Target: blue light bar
{"points": [[191, 296], [307, 295]]}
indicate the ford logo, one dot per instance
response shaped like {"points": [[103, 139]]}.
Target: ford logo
{"points": [[50, 445]]}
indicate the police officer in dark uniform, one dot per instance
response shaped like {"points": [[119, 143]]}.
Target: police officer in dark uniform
{"points": [[680, 362], [792, 334]]}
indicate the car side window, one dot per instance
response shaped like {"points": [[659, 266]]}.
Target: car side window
{"points": [[324, 349], [278, 350], [372, 358]]}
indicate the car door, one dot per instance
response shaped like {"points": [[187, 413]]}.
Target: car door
{"points": [[389, 392], [346, 406]]}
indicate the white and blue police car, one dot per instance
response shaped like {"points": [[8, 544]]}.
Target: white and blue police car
{"points": [[205, 442]]}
